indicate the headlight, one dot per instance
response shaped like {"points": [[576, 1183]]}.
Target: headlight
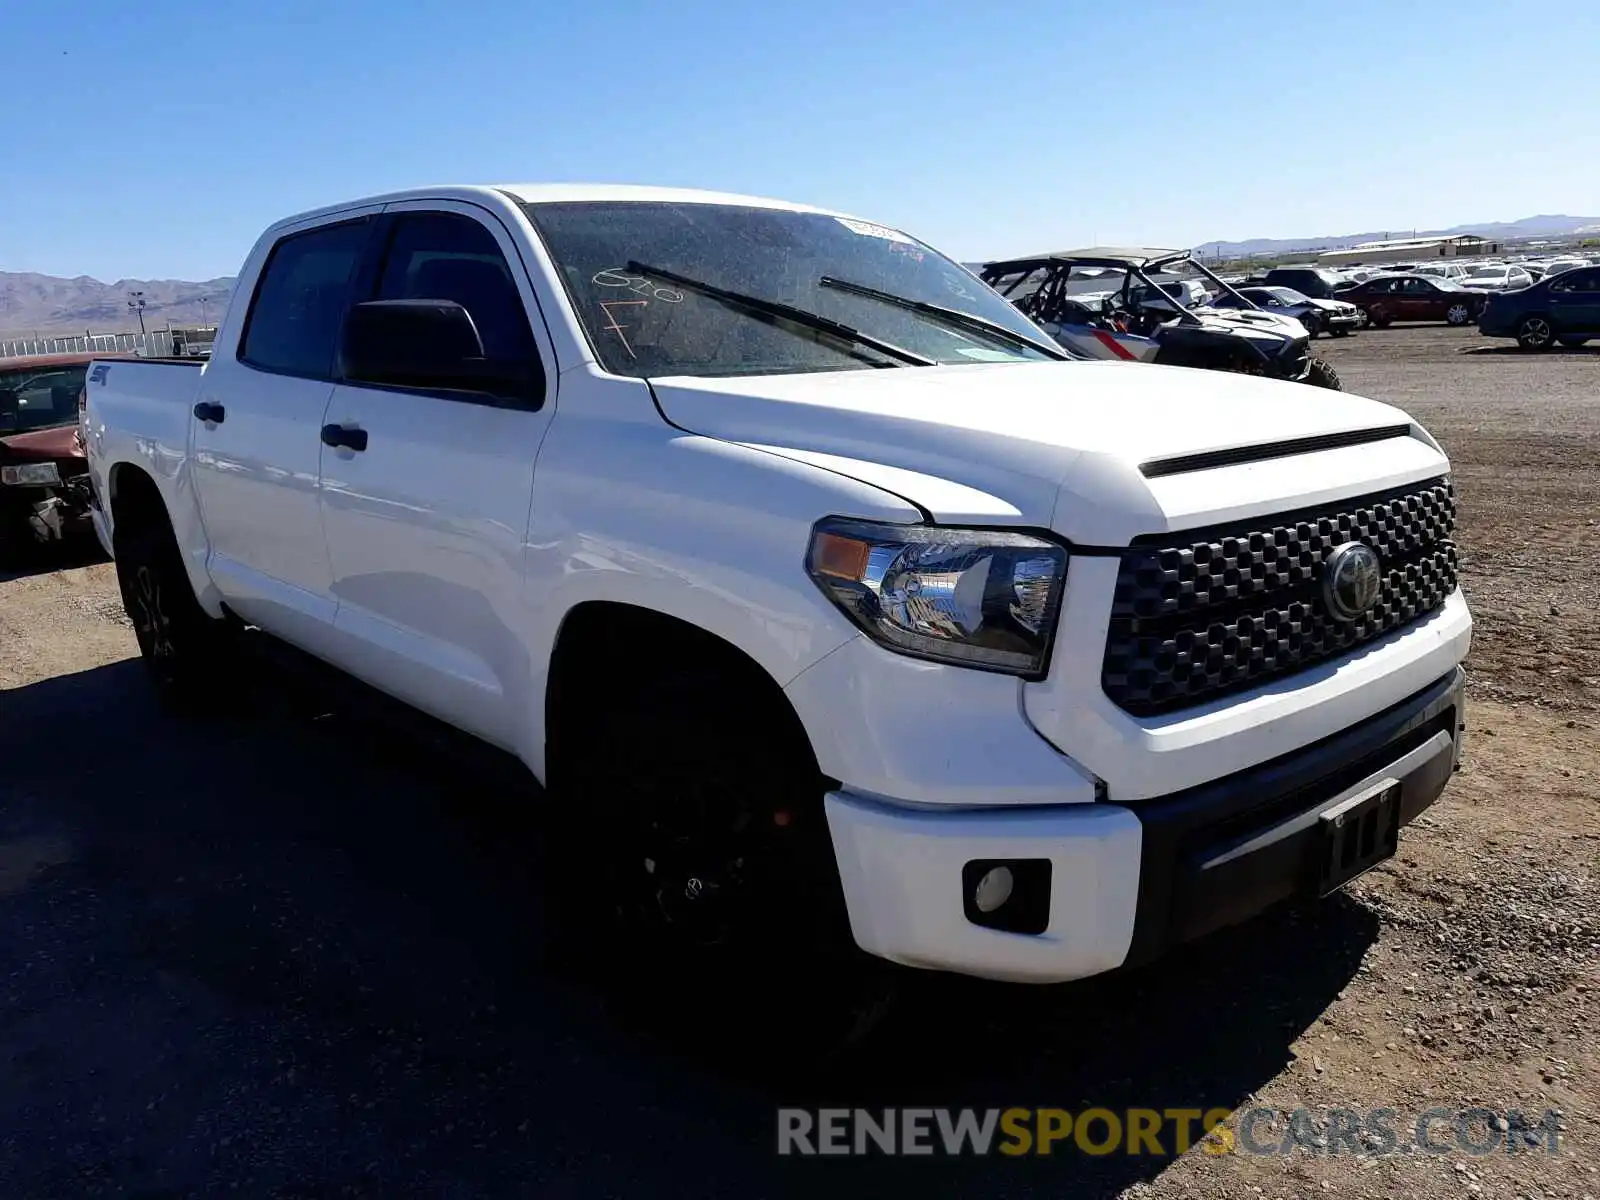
{"points": [[30, 474], [969, 596]]}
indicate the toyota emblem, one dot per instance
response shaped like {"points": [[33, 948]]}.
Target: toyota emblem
{"points": [[1352, 578]]}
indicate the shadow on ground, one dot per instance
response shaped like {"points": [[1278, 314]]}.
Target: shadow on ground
{"points": [[300, 955], [1592, 350], [20, 558]]}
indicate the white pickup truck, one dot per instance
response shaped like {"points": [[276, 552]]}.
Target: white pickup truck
{"points": [[815, 586]]}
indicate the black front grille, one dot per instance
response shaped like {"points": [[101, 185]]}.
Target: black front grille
{"points": [[1206, 612]]}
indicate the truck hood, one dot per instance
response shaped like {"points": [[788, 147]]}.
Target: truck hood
{"points": [[40, 445], [1058, 445]]}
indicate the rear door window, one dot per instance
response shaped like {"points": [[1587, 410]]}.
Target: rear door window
{"points": [[294, 319]]}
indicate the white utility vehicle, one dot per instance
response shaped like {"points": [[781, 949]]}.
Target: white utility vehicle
{"points": [[803, 572]]}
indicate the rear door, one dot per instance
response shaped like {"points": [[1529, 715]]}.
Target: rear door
{"points": [[426, 525], [1575, 302], [256, 445], [1418, 300]]}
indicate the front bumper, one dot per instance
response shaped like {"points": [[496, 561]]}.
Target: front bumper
{"points": [[1126, 881]]}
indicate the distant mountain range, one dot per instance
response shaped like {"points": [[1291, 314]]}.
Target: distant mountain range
{"points": [[1546, 225], [47, 306]]}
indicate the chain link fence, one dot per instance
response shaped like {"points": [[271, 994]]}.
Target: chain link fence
{"points": [[158, 343]]}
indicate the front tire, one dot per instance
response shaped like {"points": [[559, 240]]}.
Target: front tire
{"points": [[690, 844], [1535, 333], [1458, 314], [186, 651], [1379, 319], [1323, 375]]}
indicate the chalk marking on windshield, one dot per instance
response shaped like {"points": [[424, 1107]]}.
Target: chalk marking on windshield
{"points": [[638, 284], [607, 306], [867, 229]]}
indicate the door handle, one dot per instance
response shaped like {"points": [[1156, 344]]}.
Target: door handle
{"points": [[211, 412], [342, 436]]}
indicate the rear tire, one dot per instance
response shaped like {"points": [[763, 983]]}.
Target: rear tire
{"points": [[187, 653], [1323, 375], [1535, 333]]}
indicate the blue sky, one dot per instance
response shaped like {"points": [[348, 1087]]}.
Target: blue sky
{"points": [[156, 142]]}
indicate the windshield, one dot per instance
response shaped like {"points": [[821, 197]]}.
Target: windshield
{"points": [[39, 398], [1290, 296], [1488, 272], [645, 326]]}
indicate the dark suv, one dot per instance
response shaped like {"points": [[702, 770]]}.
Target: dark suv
{"points": [[1317, 282], [1562, 308]]}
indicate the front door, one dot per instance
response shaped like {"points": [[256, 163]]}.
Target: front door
{"points": [[256, 444], [1575, 302], [426, 525]]}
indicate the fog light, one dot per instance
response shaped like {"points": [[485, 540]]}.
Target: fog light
{"points": [[993, 889], [1009, 894]]}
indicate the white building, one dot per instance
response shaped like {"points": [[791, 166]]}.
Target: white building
{"points": [[1461, 245]]}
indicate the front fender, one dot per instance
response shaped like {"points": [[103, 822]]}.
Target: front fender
{"points": [[711, 533]]}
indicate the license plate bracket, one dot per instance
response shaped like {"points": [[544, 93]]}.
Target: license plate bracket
{"points": [[1357, 835]]}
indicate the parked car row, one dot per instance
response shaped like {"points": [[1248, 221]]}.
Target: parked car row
{"points": [[1539, 303]]}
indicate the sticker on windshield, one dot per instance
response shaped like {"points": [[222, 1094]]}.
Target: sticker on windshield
{"points": [[867, 229], [983, 355]]}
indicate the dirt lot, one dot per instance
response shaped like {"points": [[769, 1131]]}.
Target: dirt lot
{"points": [[292, 955]]}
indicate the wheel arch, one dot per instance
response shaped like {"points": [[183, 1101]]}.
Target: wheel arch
{"points": [[134, 495], [601, 645]]}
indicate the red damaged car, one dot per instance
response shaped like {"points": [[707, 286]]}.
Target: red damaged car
{"points": [[44, 485]]}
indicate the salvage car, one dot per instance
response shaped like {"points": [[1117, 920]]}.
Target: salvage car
{"points": [[839, 613], [44, 487], [1336, 317], [1561, 310], [1320, 283], [1497, 277], [1145, 320], [1390, 298]]}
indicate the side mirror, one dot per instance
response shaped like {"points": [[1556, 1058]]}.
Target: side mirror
{"points": [[427, 344]]}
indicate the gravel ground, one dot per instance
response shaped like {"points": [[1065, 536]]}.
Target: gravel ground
{"points": [[299, 955]]}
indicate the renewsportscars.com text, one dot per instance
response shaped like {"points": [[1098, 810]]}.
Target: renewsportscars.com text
{"points": [[1015, 1132]]}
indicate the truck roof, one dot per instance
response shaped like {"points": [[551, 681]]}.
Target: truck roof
{"points": [[535, 193]]}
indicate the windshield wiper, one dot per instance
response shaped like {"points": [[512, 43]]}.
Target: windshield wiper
{"points": [[946, 316], [776, 311]]}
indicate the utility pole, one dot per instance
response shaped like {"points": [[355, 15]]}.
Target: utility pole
{"points": [[136, 302], [204, 321]]}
